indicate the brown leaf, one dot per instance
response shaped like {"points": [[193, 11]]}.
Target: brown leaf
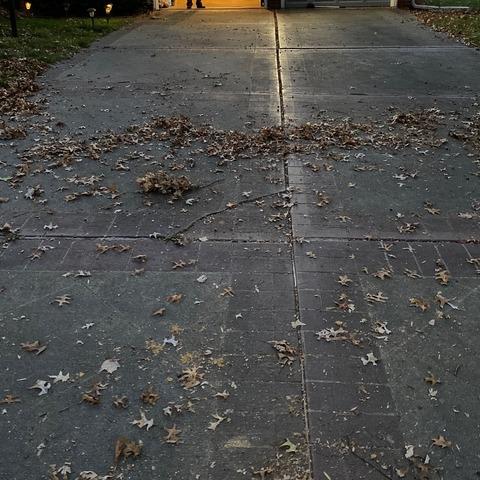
{"points": [[383, 273], [120, 248], [191, 377], [172, 435], [126, 448], [344, 280], [285, 352], [227, 292], [442, 276], [120, 402], [33, 347], [323, 199], [9, 399], [63, 300], [175, 298], [376, 297], [431, 379], [441, 442], [419, 303], [149, 396]]}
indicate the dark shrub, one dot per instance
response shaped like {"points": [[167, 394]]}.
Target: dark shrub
{"points": [[78, 8]]}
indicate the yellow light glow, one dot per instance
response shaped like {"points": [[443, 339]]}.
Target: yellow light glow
{"points": [[108, 8], [28, 6]]}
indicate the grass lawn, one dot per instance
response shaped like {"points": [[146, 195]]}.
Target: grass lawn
{"points": [[464, 26], [475, 4], [47, 40]]}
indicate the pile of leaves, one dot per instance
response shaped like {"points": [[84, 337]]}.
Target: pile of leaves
{"points": [[464, 26], [17, 83], [469, 131], [162, 182], [10, 133]]}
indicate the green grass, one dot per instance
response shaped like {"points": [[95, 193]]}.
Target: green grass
{"points": [[464, 26], [49, 40], [454, 3]]}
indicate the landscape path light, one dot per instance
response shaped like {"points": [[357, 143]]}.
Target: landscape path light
{"points": [[91, 13], [108, 11], [28, 7], [66, 7]]}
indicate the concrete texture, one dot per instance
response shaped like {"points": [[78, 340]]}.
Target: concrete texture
{"points": [[259, 231]]}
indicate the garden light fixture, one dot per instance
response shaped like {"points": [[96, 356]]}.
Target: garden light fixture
{"points": [[91, 13], [108, 10], [66, 7]]}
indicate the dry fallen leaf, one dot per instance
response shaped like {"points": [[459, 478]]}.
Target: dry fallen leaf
{"points": [[172, 435], [150, 396], [263, 472], [110, 365], [191, 377], [344, 280], [431, 379], [370, 358], [143, 421], [383, 273], [337, 334], [475, 262], [285, 352], [419, 303], [376, 297], [35, 347], [411, 273], [289, 446], [344, 303], [9, 399], [41, 385], [218, 420], [442, 276], [175, 298], [227, 292], [120, 402], [323, 199], [431, 209], [154, 347], [126, 448], [223, 395], [93, 395], [441, 442], [63, 300], [101, 248], [60, 377]]}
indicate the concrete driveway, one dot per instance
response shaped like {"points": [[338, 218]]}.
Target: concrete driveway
{"points": [[329, 270]]}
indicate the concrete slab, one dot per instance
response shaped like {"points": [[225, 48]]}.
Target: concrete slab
{"points": [[354, 28]]}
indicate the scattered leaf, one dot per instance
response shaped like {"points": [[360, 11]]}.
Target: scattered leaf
{"points": [[110, 365], [172, 435]]}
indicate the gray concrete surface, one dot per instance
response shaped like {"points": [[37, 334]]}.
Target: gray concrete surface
{"points": [[274, 246]]}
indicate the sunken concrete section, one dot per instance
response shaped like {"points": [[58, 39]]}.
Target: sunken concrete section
{"points": [[306, 308]]}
